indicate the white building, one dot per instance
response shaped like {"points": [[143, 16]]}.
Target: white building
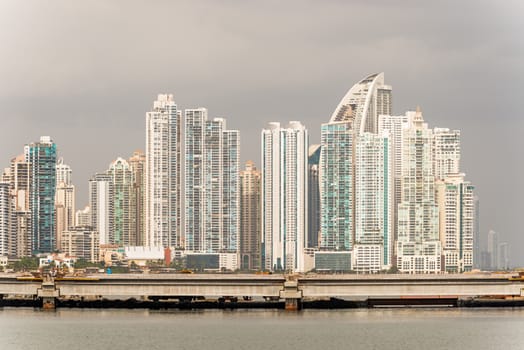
{"points": [[446, 152], [363, 103], [212, 187], [5, 218], [101, 206], [373, 203], [64, 201], [394, 126], [457, 214], [141, 255], [284, 196], [418, 245], [83, 217], [163, 195]]}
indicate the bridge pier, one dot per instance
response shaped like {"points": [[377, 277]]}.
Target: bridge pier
{"points": [[292, 296], [48, 293]]}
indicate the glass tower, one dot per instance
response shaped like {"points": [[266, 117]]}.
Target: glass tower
{"points": [[336, 187], [42, 156]]}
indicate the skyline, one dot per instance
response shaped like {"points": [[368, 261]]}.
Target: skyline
{"points": [[451, 89]]}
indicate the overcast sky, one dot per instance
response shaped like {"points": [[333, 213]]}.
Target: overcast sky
{"points": [[86, 72]]}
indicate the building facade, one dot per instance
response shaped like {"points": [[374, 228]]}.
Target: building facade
{"points": [[163, 195], [122, 182], [313, 194], [5, 218], [418, 245], [64, 201], [250, 210], [284, 196], [138, 198], [82, 242], [373, 203], [21, 182], [42, 157], [212, 187], [363, 104], [446, 152], [336, 176], [457, 222], [101, 204]]}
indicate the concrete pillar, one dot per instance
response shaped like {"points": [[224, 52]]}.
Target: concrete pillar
{"points": [[292, 296], [48, 293]]}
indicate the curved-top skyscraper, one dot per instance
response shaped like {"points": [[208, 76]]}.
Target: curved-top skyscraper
{"points": [[363, 103]]}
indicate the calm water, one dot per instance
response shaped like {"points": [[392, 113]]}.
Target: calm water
{"points": [[390, 329]]}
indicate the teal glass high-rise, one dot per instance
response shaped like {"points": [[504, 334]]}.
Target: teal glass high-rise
{"points": [[42, 158]]}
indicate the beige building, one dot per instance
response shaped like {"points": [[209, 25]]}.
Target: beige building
{"points": [[138, 196], [250, 217], [81, 242], [64, 201]]}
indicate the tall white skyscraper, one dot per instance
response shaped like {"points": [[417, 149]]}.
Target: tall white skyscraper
{"points": [[284, 196], [418, 245], [394, 126], [101, 204], [457, 215], [373, 248], [163, 193], [5, 218], [64, 200], [212, 192]]}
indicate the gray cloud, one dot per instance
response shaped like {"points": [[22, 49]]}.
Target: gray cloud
{"points": [[86, 73]]}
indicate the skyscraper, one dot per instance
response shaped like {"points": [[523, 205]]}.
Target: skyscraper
{"points": [[230, 190], [42, 156], [122, 182], [418, 245], [477, 250], [363, 103], [5, 218], [457, 214], [284, 196], [336, 186], [446, 152], [64, 201], [163, 173], [195, 120], [21, 182], [212, 192], [101, 203], [313, 193], [373, 249], [394, 126], [138, 198], [250, 224]]}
